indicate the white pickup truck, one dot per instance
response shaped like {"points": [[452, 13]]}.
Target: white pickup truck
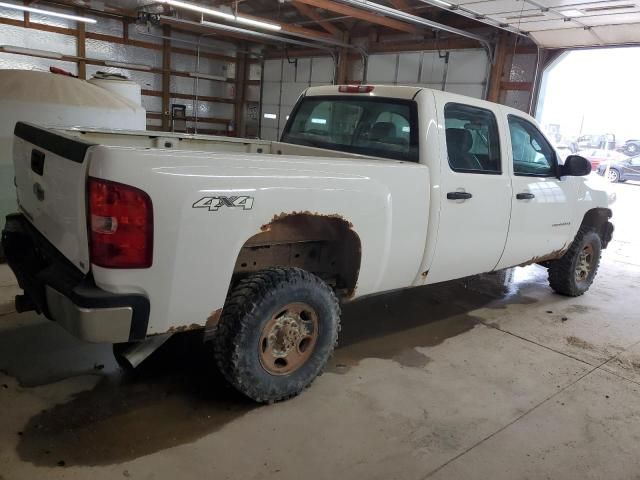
{"points": [[128, 237]]}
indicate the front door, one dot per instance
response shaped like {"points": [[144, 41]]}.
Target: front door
{"points": [[541, 202], [475, 192]]}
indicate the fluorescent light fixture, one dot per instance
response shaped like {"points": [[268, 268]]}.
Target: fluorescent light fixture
{"points": [[319, 121], [258, 23], [442, 3], [220, 78], [406, 129], [198, 8], [572, 13], [133, 66], [270, 116], [49, 13], [30, 51], [224, 15]]}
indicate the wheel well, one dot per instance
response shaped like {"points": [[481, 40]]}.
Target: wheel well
{"points": [[598, 219], [325, 245]]}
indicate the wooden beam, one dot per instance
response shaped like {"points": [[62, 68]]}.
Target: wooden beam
{"points": [[166, 79], [520, 86], [400, 4], [363, 15], [497, 68], [240, 92], [307, 11], [81, 50]]}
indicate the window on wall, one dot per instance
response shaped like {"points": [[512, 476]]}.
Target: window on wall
{"points": [[532, 154], [368, 126], [473, 141]]}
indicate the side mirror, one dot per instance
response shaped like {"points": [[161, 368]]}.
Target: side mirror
{"points": [[575, 166]]}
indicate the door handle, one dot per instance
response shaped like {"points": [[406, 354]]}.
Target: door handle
{"points": [[525, 196], [458, 196]]}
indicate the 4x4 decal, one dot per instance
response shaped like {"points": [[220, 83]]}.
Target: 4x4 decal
{"points": [[214, 203]]}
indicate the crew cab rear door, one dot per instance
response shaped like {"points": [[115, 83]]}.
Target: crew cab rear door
{"points": [[542, 203], [50, 177], [475, 189]]}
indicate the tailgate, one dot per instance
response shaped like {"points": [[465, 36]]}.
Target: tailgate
{"points": [[51, 171]]}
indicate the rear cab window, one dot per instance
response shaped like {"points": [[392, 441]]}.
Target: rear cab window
{"points": [[473, 139], [380, 127]]}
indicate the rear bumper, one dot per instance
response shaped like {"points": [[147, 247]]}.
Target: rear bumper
{"points": [[62, 293]]}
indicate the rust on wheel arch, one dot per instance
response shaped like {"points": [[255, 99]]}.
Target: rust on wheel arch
{"points": [[323, 244], [556, 254]]}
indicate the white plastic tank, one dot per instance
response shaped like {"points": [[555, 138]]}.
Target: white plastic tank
{"points": [[55, 100], [119, 85]]}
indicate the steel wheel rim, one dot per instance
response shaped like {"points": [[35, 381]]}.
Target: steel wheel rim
{"points": [[612, 176], [585, 263], [288, 338]]}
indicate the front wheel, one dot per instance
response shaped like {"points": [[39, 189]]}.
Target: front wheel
{"points": [[277, 331], [573, 274], [613, 175]]}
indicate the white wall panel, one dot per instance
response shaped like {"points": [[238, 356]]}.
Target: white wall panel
{"points": [[22, 37], [272, 70], [382, 68], [137, 32], [105, 26], [322, 70], [432, 68], [10, 13], [409, 68], [467, 66], [123, 53], [152, 104], [23, 62]]}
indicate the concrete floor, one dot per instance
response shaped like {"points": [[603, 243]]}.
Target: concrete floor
{"points": [[463, 380]]}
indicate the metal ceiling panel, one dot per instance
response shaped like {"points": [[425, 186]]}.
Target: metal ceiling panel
{"points": [[557, 24], [501, 6], [617, 19], [619, 34], [572, 37]]}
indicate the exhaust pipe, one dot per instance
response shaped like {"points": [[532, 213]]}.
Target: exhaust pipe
{"points": [[133, 354]]}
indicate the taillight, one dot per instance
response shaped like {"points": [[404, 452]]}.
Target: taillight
{"points": [[355, 88], [120, 225]]}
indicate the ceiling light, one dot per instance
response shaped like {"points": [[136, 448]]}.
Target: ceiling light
{"points": [[224, 15], [442, 3], [572, 13], [133, 66], [258, 23], [198, 8], [30, 51], [49, 13]]}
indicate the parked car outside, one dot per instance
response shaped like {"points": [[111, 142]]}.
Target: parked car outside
{"points": [[621, 170], [631, 147], [597, 156]]}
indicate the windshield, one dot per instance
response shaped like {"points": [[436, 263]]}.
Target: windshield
{"points": [[379, 127]]}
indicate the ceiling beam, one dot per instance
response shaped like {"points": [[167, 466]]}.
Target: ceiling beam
{"points": [[307, 11], [363, 15]]}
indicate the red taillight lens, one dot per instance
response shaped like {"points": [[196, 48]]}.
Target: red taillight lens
{"points": [[120, 225], [355, 88]]}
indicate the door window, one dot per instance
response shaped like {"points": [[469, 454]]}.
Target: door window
{"points": [[532, 154], [635, 161], [473, 142]]}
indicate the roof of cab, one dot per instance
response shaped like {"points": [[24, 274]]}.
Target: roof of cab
{"points": [[391, 91]]}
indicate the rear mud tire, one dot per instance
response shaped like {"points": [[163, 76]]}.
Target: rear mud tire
{"points": [[244, 337], [573, 274]]}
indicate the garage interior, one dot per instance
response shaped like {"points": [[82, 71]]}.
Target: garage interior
{"points": [[492, 376]]}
